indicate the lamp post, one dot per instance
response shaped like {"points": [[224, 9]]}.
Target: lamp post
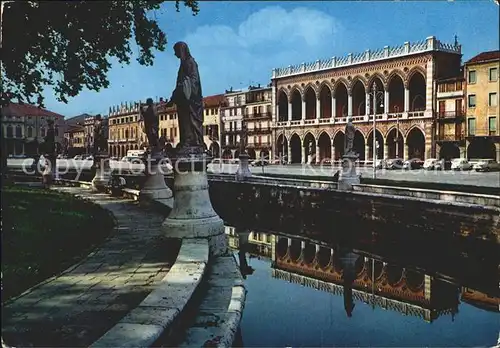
{"points": [[396, 109], [375, 94]]}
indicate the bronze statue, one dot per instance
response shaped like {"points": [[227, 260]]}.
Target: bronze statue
{"points": [[100, 141], [187, 96], [349, 138], [151, 125], [50, 139]]}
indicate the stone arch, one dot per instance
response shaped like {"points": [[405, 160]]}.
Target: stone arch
{"points": [[338, 143], [369, 142], [309, 143], [378, 76], [394, 140], [283, 99], [416, 70], [296, 100], [325, 146], [295, 148], [340, 81], [449, 151], [481, 148], [358, 92], [415, 140], [359, 144], [359, 78], [417, 86], [324, 84], [295, 88], [341, 94], [310, 97], [394, 73], [312, 86]]}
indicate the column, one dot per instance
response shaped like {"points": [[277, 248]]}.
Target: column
{"points": [[407, 99], [386, 102], [289, 111], [367, 151], [289, 154], [317, 159], [349, 105], [277, 114], [303, 154], [334, 107], [367, 102], [462, 151], [332, 152], [303, 109], [497, 148], [405, 149], [318, 108], [386, 150]]}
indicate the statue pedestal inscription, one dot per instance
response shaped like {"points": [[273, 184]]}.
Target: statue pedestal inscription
{"points": [[243, 169], [348, 175], [192, 215], [102, 176], [155, 187]]}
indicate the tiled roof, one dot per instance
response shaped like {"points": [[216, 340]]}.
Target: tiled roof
{"points": [[16, 109], [484, 56], [213, 100]]}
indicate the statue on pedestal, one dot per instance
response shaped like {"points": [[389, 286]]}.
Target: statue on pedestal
{"points": [[349, 138], [187, 96], [151, 123], [243, 138], [100, 142]]}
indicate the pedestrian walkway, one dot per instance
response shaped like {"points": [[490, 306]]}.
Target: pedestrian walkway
{"points": [[80, 305]]}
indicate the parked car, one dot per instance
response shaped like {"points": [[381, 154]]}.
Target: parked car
{"points": [[432, 163], [486, 165], [413, 163], [259, 162], [381, 164], [394, 163], [460, 164], [78, 157]]}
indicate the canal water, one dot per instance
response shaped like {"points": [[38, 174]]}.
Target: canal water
{"points": [[318, 292]]}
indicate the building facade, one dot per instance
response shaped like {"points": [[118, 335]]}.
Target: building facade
{"points": [[212, 123], [75, 140], [483, 135], [311, 102], [25, 127], [232, 120], [258, 118], [450, 117], [124, 132]]}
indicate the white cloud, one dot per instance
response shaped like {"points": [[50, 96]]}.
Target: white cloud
{"points": [[269, 38]]}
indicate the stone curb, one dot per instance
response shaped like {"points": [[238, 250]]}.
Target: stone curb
{"points": [[215, 325], [142, 326], [75, 265]]}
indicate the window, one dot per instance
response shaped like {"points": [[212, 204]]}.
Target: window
{"points": [[19, 132], [492, 99], [472, 76], [472, 100], [30, 132], [42, 132], [471, 126], [492, 125], [493, 74]]}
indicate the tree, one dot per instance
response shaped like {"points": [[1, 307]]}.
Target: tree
{"points": [[68, 44]]}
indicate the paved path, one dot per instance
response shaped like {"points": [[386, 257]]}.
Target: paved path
{"points": [[79, 306], [491, 179]]}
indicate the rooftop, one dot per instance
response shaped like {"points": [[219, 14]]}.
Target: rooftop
{"points": [[17, 109], [407, 49], [484, 57]]}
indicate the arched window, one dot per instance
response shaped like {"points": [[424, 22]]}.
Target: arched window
{"points": [[126, 133], [19, 132], [9, 131], [30, 132]]}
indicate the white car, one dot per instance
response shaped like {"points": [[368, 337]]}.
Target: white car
{"points": [[432, 163], [460, 164], [486, 165]]}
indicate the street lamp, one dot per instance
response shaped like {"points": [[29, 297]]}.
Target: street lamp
{"points": [[396, 109], [375, 94]]}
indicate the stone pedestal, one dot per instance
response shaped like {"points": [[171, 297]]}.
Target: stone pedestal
{"points": [[348, 175], [192, 215], [155, 187], [243, 169], [102, 176]]}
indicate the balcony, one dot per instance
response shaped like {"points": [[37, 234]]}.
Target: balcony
{"points": [[262, 144], [450, 137], [259, 115], [259, 130], [451, 115]]}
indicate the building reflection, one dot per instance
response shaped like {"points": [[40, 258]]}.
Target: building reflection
{"points": [[357, 277]]}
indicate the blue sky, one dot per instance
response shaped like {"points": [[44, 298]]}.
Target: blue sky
{"points": [[239, 43]]}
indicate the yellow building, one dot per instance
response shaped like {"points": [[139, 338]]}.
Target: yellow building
{"points": [[258, 118], [450, 117], [483, 135], [124, 132], [75, 140], [169, 128]]}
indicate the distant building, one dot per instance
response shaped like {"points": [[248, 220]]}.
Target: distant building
{"points": [[232, 118], [483, 135], [212, 122], [75, 140], [258, 118], [25, 127], [124, 132]]}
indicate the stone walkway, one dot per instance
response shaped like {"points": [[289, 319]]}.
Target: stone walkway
{"points": [[77, 307]]}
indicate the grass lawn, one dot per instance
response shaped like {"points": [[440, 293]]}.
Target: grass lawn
{"points": [[45, 232]]}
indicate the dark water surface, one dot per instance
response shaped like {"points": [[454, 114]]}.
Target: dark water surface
{"points": [[305, 292]]}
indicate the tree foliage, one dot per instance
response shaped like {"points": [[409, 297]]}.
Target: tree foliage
{"points": [[68, 44]]}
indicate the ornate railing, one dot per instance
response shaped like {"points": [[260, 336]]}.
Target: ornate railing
{"points": [[430, 44]]}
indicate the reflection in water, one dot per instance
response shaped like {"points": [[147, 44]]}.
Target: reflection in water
{"points": [[379, 282]]}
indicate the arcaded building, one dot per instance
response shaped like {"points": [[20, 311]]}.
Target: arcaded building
{"points": [[311, 102]]}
